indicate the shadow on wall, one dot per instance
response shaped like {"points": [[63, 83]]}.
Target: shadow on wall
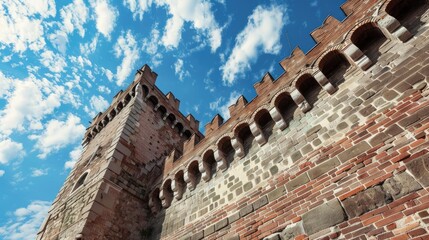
{"points": [[409, 13]]}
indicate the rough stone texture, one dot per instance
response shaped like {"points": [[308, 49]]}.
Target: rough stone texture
{"points": [[366, 201], [296, 182], [400, 185], [292, 231], [326, 215], [419, 168], [323, 168]]}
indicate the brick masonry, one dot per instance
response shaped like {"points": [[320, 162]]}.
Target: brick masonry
{"points": [[335, 148]]}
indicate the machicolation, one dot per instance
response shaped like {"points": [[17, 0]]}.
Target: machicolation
{"points": [[337, 147]]}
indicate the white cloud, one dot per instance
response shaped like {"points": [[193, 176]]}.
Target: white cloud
{"points": [[98, 103], [261, 35], [108, 73], [180, 71], [22, 23], [88, 48], [74, 16], [25, 113], [25, 222], [6, 85], [105, 16], [104, 89], [58, 134], [74, 157], [138, 7], [39, 172], [125, 47], [53, 61], [10, 150], [197, 12], [151, 44], [2, 172], [223, 108], [59, 39], [82, 61]]}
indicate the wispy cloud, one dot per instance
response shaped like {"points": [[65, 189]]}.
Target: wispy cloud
{"points": [[96, 104], [151, 46], [25, 222], [10, 150], [38, 172], [196, 12], [74, 156], [126, 47], [180, 71], [57, 134], [105, 16], [19, 28], [221, 106], [261, 35]]}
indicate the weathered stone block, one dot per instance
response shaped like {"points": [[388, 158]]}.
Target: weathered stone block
{"points": [[234, 217], [323, 168], [354, 151], [400, 185], [209, 230], [275, 236], [273, 195], [366, 201], [221, 224], [419, 168], [324, 216], [292, 231], [198, 236], [260, 202], [246, 210], [296, 182]]}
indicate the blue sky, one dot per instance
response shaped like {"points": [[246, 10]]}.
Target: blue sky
{"points": [[62, 62]]}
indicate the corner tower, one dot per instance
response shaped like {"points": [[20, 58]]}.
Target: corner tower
{"points": [[124, 150]]}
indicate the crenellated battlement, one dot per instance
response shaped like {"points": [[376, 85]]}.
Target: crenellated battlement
{"points": [[337, 46], [341, 47]]}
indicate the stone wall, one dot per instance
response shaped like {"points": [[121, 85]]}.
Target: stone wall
{"points": [[334, 148]]}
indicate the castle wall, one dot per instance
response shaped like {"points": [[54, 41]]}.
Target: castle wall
{"points": [[350, 163], [336, 147]]}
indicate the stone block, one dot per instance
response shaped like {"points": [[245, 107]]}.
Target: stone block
{"points": [[409, 120], [393, 130], [235, 237], [260, 202], [198, 236], [323, 168], [366, 201], [326, 215], [296, 156], [296, 182], [354, 151], [221, 224], [209, 230], [273, 195], [246, 210], [234, 217], [379, 138], [292, 231], [401, 185], [419, 168], [275, 236]]}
